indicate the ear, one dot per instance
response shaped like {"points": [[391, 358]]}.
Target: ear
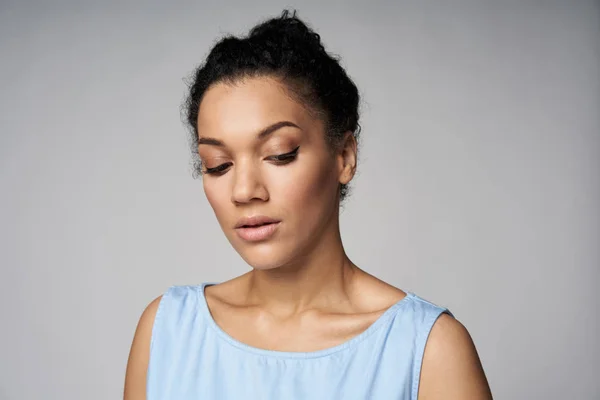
{"points": [[347, 158]]}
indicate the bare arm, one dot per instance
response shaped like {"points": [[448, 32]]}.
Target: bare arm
{"points": [[139, 355], [451, 367]]}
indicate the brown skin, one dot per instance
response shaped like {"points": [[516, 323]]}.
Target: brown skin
{"points": [[303, 292]]}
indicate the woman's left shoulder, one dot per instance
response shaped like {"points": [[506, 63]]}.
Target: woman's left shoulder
{"points": [[451, 367], [376, 294]]}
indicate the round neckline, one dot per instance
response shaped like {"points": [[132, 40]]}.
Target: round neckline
{"points": [[379, 322]]}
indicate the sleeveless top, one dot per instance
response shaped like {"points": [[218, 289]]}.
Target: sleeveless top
{"points": [[192, 358]]}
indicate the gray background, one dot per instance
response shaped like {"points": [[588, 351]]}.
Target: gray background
{"points": [[478, 184]]}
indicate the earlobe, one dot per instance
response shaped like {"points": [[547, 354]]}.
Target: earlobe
{"points": [[348, 156]]}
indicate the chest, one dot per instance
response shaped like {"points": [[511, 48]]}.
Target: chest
{"points": [[304, 333], [216, 372]]}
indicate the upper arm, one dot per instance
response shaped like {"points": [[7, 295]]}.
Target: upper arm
{"points": [[451, 368], [139, 355]]}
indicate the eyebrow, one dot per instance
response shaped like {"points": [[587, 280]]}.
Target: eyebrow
{"points": [[264, 133]]}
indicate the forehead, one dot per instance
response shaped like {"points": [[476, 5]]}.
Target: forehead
{"points": [[248, 106]]}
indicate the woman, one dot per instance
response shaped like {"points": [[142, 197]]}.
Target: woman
{"points": [[274, 121]]}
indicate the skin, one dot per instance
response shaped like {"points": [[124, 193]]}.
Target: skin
{"points": [[303, 292]]}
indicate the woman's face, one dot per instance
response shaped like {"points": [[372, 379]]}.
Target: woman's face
{"points": [[268, 172]]}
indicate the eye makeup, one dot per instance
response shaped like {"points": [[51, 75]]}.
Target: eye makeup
{"points": [[279, 159], [287, 157], [219, 170]]}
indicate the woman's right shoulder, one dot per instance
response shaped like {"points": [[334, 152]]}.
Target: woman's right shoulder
{"points": [[149, 314], [174, 297], [162, 311], [139, 354], [145, 324]]}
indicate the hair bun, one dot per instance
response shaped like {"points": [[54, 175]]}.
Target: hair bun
{"points": [[287, 31]]}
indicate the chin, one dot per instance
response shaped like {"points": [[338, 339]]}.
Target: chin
{"points": [[265, 256]]}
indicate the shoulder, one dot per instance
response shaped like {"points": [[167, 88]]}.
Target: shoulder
{"points": [[139, 355], [149, 313], [143, 332], [167, 306], [451, 368], [372, 294]]}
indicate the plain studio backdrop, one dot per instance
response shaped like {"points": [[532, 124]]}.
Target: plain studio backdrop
{"points": [[478, 184]]}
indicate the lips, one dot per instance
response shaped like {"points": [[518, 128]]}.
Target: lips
{"points": [[255, 221], [256, 228]]}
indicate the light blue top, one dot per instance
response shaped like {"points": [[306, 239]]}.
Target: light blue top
{"points": [[192, 358]]}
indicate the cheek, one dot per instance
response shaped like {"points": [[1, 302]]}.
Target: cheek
{"points": [[306, 185], [217, 195]]}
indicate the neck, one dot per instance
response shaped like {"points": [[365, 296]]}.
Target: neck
{"points": [[321, 278]]}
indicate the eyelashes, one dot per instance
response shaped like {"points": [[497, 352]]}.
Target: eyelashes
{"points": [[287, 157], [217, 170], [280, 159]]}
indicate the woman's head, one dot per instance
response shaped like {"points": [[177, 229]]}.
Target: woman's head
{"points": [[274, 123]]}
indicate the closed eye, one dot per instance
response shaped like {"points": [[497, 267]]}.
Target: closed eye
{"points": [[218, 170], [278, 159], [285, 158]]}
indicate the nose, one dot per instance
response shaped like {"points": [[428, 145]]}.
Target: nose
{"points": [[248, 184]]}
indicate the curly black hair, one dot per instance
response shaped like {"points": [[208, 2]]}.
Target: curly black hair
{"points": [[286, 48]]}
